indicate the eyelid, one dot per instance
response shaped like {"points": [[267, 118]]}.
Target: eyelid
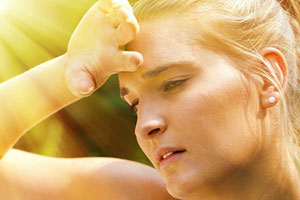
{"points": [[179, 80], [133, 105]]}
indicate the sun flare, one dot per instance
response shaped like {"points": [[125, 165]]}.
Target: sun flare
{"points": [[3, 5]]}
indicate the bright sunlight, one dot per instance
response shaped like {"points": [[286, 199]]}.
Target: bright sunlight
{"points": [[4, 4]]}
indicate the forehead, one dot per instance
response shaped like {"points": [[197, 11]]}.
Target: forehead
{"points": [[161, 38], [161, 42]]}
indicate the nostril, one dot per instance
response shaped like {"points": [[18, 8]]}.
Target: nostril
{"points": [[154, 131]]}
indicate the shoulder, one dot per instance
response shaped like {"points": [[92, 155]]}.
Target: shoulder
{"points": [[122, 179], [78, 178]]}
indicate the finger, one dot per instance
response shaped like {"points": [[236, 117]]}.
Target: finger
{"points": [[126, 15], [128, 61], [119, 3], [121, 15], [80, 81], [125, 33], [113, 18], [106, 5], [128, 29]]}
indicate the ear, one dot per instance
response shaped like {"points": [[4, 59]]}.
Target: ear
{"points": [[278, 65]]}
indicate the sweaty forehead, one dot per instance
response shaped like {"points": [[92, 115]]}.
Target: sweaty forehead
{"points": [[162, 41]]}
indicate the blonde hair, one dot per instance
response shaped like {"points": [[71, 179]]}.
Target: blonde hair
{"points": [[242, 28]]}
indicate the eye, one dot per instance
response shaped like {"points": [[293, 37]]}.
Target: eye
{"points": [[133, 106], [173, 84], [167, 86]]}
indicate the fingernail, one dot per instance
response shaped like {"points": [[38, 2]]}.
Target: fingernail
{"points": [[140, 60], [88, 91]]}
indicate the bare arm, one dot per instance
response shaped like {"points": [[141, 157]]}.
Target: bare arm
{"points": [[30, 176], [95, 52], [31, 97]]}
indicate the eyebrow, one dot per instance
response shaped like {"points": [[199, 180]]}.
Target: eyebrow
{"points": [[160, 69], [155, 72]]}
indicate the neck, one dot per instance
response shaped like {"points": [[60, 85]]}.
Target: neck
{"points": [[257, 181], [269, 176]]}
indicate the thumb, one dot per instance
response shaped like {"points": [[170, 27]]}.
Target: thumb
{"points": [[80, 81]]}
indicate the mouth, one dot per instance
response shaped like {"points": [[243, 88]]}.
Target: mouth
{"points": [[167, 155]]}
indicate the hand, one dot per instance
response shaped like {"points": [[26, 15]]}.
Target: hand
{"points": [[95, 50]]}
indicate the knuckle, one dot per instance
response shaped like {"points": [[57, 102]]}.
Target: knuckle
{"points": [[113, 19], [104, 6], [126, 33], [124, 14]]}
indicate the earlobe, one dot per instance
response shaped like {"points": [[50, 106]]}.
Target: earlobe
{"points": [[269, 97], [276, 66]]}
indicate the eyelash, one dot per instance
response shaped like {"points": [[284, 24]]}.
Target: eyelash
{"points": [[133, 106], [169, 85], [172, 84]]}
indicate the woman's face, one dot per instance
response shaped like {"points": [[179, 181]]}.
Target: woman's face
{"points": [[196, 121]]}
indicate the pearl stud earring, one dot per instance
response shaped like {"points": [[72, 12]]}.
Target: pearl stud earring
{"points": [[271, 99]]}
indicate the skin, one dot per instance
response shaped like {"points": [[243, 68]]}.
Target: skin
{"points": [[209, 115], [95, 51], [214, 112], [47, 178]]}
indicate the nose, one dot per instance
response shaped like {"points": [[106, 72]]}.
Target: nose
{"points": [[150, 123]]}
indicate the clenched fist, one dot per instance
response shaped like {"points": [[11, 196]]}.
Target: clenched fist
{"points": [[96, 48]]}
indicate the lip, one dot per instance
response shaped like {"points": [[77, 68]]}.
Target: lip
{"points": [[164, 150]]}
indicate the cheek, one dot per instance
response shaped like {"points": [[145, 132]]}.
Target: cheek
{"points": [[148, 148], [216, 121]]}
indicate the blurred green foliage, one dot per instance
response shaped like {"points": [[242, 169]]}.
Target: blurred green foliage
{"points": [[34, 31]]}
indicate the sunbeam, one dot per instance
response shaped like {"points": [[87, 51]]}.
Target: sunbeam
{"points": [[34, 31], [3, 5]]}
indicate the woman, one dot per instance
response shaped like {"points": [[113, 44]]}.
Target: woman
{"points": [[216, 95]]}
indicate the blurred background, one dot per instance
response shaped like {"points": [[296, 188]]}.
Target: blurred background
{"points": [[34, 31]]}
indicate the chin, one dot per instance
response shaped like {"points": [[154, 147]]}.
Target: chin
{"points": [[182, 186], [193, 182], [177, 191]]}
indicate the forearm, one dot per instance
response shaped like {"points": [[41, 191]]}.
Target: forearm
{"points": [[42, 177], [29, 98]]}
